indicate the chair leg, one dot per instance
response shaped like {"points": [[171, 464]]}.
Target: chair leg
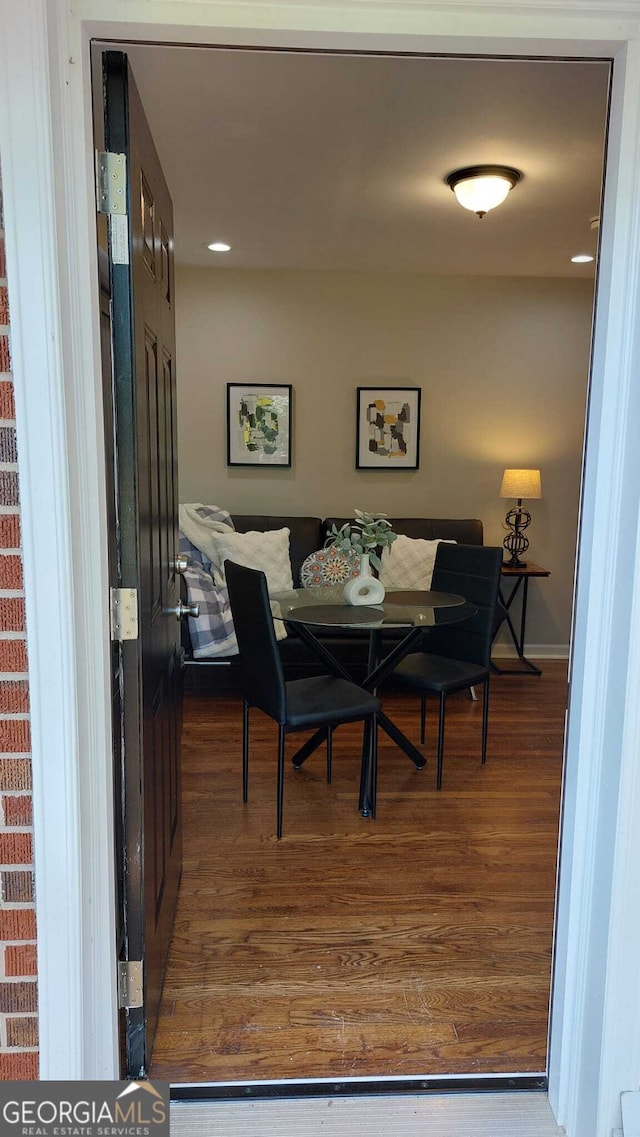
{"points": [[245, 751], [441, 715], [472, 694], [423, 716], [281, 738], [329, 752], [365, 770], [374, 764], [485, 719]]}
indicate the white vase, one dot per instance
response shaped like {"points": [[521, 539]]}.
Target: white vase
{"points": [[364, 588]]}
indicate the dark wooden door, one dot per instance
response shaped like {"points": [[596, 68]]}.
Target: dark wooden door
{"points": [[148, 828]]}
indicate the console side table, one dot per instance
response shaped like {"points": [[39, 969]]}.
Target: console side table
{"points": [[519, 576]]}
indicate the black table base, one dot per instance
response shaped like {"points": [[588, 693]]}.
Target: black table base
{"points": [[526, 666], [377, 670]]}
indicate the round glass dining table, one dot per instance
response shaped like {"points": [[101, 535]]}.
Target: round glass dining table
{"points": [[309, 610], [324, 606]]}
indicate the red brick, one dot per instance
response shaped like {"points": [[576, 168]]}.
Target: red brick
{"points": [[20, 997], [11, 612], [10, 571], [14, 696], [9, 525], [21, 960], [15, 849], [22, 1031], [18, 810], [17, 924], [3, 259], [5, 354], [15, 736], [17, 887], [19, 1067], [15, 774], [13, 656], [7, 406], [4, 305]]}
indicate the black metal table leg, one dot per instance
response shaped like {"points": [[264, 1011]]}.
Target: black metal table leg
{"points": [[321, 652], [309, 747], [402, 741], [364, 799], [386, 666], [377, 671], [335, 668], [517, 638]]}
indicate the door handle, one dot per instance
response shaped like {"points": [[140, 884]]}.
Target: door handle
{"points": [[180, 564], [181, 610]]}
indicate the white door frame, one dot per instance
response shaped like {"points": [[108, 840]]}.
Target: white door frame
{"points": [[47, 163]]}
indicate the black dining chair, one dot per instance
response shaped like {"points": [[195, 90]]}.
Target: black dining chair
{"points": [[322, 701], [457, 656]]}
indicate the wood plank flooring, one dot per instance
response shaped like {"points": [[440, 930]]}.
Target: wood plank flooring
{"points": [[416, 944]]}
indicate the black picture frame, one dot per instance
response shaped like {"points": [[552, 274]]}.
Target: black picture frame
{"points": [[249, 439], [402, 451]]}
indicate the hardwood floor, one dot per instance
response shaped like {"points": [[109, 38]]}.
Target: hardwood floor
{"points": [[416, 944]]}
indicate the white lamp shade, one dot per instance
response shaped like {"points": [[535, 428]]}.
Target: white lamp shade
{"points": [[521, 483], [482, 194]]}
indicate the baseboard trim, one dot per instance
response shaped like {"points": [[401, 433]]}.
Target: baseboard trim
{"points": [[532, 651]]}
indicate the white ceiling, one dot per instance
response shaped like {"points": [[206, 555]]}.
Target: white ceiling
{"points": [[338, 162]]}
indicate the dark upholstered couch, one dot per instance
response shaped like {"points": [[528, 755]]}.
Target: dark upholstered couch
{"points": [[306, 535]]}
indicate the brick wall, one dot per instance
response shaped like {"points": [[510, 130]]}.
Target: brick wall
{"points": [[18, 987]]}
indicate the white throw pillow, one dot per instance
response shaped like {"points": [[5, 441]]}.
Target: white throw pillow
{"points": [[267, 550], [409, 563]]}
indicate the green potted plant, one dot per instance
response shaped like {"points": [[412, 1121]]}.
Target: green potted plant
{"points": [[366, 535]]}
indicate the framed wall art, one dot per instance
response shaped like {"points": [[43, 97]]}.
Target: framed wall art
{"points": [[259, 424], [388, 428]]}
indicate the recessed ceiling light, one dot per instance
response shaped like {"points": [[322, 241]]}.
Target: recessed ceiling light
{"points": [[219, 247], [581, 259]]}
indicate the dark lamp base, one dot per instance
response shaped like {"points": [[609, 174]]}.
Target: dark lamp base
{"points": [[515, 542]]}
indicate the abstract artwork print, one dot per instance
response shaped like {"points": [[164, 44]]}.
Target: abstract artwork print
{"points": [[258, 424], [388, 428]]}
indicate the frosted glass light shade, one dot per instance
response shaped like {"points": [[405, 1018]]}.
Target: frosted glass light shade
{"points": [[481, 194], [481, 188], [521, 483]]}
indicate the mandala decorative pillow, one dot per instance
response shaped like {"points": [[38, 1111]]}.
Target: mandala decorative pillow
{"points": [[408, 563], [329, 566], [268, 551]]}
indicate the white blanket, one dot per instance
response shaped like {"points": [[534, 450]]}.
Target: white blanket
{"points": [[199, 529], [212, 631]]}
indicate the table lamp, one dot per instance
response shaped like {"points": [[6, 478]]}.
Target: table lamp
{"points": [[518, 484]]}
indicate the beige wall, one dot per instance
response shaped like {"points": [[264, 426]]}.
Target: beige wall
{"points": [[502, 363]]}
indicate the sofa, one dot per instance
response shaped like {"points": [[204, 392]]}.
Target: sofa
{"points": [[307, 534]]}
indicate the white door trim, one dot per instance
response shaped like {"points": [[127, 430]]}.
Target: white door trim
{"points": [[47, 151], [51, 257]]}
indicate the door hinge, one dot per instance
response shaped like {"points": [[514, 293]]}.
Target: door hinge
{"points": [[111, 183], [130, 983], [124, 614]]}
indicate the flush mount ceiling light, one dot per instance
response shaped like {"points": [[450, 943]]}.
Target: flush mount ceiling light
{"points": [[581, 259], [219, 247], [481, 188]]}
